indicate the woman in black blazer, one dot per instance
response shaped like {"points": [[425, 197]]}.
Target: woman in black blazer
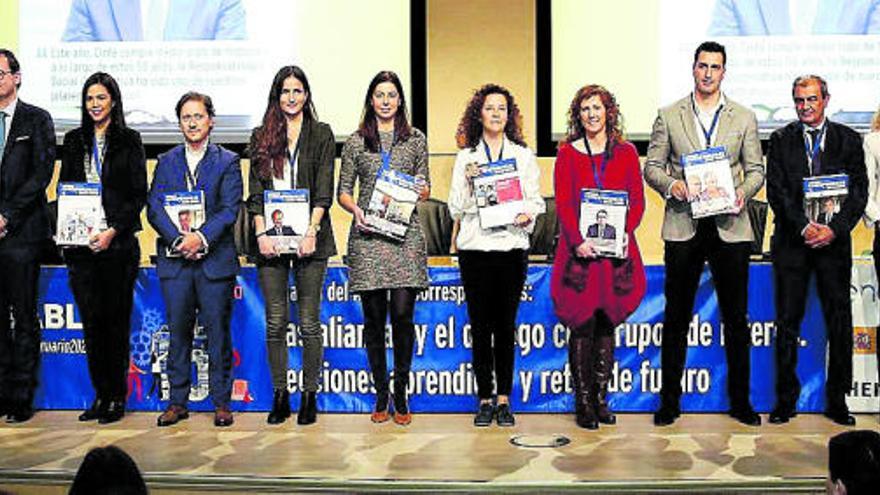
{"points": [[102, 275], [293, 150]]}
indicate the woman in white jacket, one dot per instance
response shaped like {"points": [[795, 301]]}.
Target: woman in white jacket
{"points": [[496, 216]]}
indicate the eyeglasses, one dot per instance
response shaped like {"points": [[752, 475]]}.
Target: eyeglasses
{"points": [[4, 73], [196, 117]]}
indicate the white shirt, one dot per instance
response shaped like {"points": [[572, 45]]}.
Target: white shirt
{"points": [[703, 119], [872, 166], [285, 182], [193, 157], [802, 14], [10, 111], [809, 139], [154, 14], [463, 206]]}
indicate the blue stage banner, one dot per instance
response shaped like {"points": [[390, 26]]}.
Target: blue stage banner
{"points": [[442, 378]]}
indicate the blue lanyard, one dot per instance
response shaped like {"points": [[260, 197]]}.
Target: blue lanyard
{"points": [[96, 157], [597, 174], [708, 134], [386, 155], [813, 150], [489, 151]]}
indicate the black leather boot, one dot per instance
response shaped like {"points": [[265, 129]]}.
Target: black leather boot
{"points": [[280, 407], [95, 411], [602, 365], [308, 409], [580, 362]]}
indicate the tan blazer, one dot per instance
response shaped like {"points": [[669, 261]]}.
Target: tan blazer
{"points": [[675, 134]]}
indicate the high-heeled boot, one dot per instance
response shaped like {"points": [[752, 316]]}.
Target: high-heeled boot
{"points": [[308, 409], [280, 407], [580, 363], [603, 348]]}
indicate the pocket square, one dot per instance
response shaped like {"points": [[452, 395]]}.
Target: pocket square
{"points": [[22, 138]]}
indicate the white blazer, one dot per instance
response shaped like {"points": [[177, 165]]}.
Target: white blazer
{"points": [[463, 206]]}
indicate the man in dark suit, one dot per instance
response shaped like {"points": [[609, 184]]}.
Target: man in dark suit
{"points": [[198, 283], [703, 119], [278, 227], [601, 229], [813, 146], [27, 148]]}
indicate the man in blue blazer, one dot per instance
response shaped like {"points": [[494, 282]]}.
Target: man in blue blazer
{"points": [[774, 17], [198, 275], [174, 20], [27, 160]]}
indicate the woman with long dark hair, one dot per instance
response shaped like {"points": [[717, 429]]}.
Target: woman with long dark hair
{"points": [[293, 150], [592, 293], [102, 275], [493, 259], [386, 273]]}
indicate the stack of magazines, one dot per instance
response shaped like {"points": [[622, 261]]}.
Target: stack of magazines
{"points": [[287, 215], [80, 214], [498, 193], [392, 203], [709, 182], [603, 221], [186, 209], [823, 195]]}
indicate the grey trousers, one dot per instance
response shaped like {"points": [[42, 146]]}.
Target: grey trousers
{"points": [[309, 277]]}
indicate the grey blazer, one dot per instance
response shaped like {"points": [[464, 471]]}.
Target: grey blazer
{"points": [[675, 134]]}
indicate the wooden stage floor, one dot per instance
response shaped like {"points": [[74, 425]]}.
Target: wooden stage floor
{"points": [[701, 453]]}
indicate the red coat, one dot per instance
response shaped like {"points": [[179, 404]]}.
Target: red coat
{"points": [[615, 286]]}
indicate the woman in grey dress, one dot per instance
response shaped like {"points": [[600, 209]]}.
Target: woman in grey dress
{"points": [[387, 273]]}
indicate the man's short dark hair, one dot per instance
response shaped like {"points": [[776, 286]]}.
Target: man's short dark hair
{"points": [[14, 67], [806, 79], [854, 459], [711, 47], [602, 212], [195, 96]]}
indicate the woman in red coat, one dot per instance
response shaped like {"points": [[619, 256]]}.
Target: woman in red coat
{"points": [[593, 293]]}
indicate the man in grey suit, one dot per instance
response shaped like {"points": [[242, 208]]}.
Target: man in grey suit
{"points": [[703, 119]]}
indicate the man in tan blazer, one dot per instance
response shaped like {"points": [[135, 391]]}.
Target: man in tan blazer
{"points": [[703, 119]]}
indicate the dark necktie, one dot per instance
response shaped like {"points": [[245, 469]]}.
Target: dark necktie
{"points": [[817, 161]]}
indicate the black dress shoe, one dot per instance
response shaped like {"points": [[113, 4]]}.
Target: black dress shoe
{"points": [[841, 417], [114, 412], [781, 415], [95, 411], [308, 409], [747, 417], [665, 416], [20, 413], [485, 414], [280, 407]]}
